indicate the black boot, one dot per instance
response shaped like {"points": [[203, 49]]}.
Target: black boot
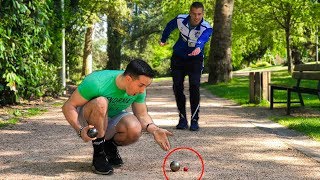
{"points": [[111, 150], [100, 164]]}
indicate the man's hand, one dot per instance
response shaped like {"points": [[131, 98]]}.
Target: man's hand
{"points": [[161, 137], [195, 52], [84, 135]]}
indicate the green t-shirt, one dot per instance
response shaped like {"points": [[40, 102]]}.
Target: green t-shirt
{"points": [[103, 83]]}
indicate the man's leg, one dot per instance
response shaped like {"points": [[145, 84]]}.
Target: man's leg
{"points": [[123, 129], [94, 112], [178, 74], [194, 89]]}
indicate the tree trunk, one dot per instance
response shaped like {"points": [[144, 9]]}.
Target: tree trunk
{"points": [[289, 58], [287, 28], [296, 55], [113, 47], [87, 52], [220, 49]]}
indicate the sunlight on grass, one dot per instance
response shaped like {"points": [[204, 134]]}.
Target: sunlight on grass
{"points": [[34, 111], [57, 104], [238, 90], [19, 113], [8, 122], [307, 125], [161, 79]]}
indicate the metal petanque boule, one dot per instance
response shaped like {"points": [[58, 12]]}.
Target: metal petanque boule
{"points": [[174, 166]]}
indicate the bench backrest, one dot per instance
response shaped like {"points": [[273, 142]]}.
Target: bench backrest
{"points": [[306, 71]]}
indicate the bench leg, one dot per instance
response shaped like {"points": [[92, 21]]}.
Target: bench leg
{"points": [[301, 100], [271, 97], [288, 101]]}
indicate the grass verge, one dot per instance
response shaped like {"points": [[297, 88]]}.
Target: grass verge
{"points": [[307, 125], [16, 114], [238, 90]]}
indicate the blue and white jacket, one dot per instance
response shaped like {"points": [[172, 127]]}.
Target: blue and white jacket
{"points": [[189, 39]]}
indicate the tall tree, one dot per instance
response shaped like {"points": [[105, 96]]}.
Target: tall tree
{"points": [[288, 17], [117, 18], [220, 51], [87, 52]]}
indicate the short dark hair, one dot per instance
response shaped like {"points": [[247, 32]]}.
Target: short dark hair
{"points": [[139, 67], [197, 5]]}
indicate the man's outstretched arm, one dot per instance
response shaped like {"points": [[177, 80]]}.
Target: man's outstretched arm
{"points": [[160, 135]]}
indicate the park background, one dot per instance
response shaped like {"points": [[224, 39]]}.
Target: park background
{"points": [[47, 45]]}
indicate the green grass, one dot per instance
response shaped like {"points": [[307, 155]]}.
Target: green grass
{"points": [[11, 121], [16, 114], [34, 112], [57, 104], [238, 90], [309, 126], [282, 77], [159, 79]]}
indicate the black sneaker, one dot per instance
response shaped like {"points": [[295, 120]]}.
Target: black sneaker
{"points": [[100, 164], [111, 150], [194, 125], [183, 123]]}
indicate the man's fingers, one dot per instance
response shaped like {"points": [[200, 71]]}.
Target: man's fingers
{"points": [[91, 126], [169, 133], [163, 145], [167, 145]]}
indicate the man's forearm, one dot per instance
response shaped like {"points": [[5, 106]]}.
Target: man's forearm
{"points": [[147, 123], [71, 116]]}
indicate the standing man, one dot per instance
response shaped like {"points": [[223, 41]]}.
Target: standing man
{"points": [[101, 101], [187, 59]]}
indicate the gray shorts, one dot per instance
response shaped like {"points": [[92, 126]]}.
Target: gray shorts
{"points": [[112, 122]]}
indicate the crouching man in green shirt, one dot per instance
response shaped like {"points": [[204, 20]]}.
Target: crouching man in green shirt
{"points": [[101, 100]]}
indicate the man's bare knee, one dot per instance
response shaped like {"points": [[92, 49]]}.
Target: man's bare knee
{"points": [[128, 132], [134, 133], [96, 107], [101, 104]]}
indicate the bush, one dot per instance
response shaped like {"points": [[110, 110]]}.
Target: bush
{"points": [[24, 42]]}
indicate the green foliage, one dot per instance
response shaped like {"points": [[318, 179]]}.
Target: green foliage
{"points": [[24, 43], [260, 64], [31, 33], [261, 24]]}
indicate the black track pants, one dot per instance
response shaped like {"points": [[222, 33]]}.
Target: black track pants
{"points": [[191, 67]]}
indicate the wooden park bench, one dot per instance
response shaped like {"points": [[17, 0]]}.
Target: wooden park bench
{"points": [[300, 72]]}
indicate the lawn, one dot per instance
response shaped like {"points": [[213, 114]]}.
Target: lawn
{"points": [[238, 90], [16, 114]]}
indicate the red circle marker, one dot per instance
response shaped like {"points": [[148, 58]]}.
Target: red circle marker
{"points": [[178, 149]]}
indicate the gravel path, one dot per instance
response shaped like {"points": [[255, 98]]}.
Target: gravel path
{"points": [[234, 143]]}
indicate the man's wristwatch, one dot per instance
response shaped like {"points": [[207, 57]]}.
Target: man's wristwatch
{"points": [[80, 130]]}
